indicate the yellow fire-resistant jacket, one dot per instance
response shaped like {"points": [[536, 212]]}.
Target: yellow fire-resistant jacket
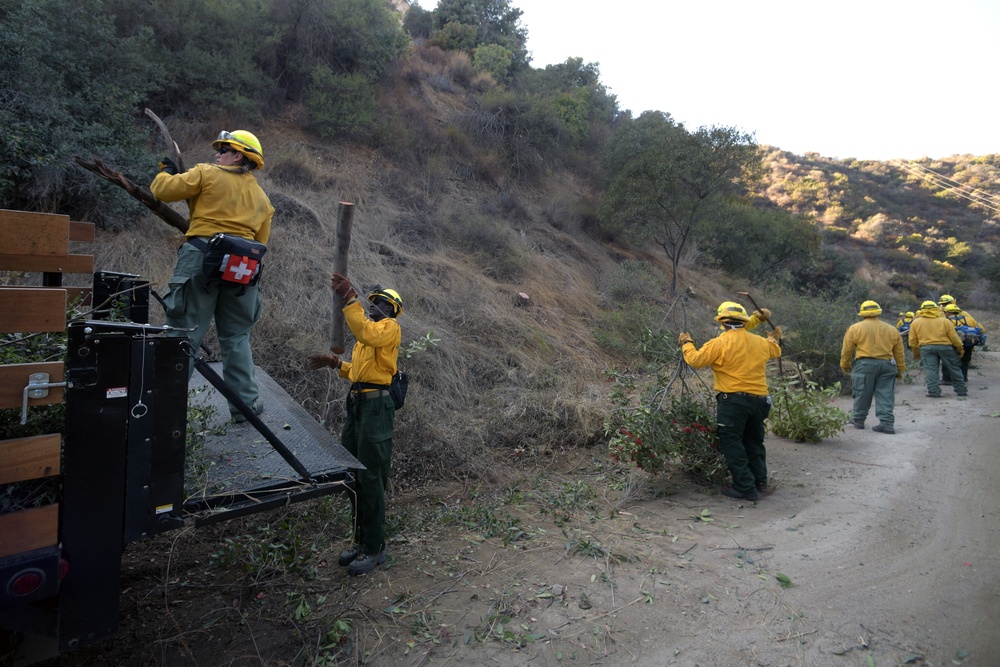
{"points": [[222, 200], [373, 358], [738, 359], [871, 338], [929, 328]]}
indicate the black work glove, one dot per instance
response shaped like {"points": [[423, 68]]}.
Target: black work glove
{"points": [[167, 165]]}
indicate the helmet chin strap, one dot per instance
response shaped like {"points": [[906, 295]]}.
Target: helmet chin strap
{"points": [[730, 324]]}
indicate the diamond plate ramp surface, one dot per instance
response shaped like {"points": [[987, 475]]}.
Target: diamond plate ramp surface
{"points": [[229, 456]]}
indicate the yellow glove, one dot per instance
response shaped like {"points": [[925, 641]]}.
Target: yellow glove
{"points": [[916, 355], [960, 351], [762, 314], [775, 335], [685, 337]]}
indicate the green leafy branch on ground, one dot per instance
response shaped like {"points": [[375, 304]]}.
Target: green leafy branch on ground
{"points": [[804, 411]]}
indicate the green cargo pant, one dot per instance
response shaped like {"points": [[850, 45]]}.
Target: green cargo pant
{"points": [[741, 432], [367, 435], [948, 359], [191, 303], [874, 378]]}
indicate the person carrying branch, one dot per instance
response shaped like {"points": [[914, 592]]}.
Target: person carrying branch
{"points": [[876, 349], [368, 426], [738, 359], [224, 198]]}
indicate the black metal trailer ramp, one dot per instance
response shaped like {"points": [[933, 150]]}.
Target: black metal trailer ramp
{"points": [[233, 470]]}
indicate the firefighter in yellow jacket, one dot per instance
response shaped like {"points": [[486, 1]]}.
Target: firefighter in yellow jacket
{"points": [[738, 359], [954, 313], [224, 198], [872, 354], [368, 427], [933, 338]]}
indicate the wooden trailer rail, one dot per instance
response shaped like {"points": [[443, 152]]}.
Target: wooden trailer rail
{"points": [[35, 243]]}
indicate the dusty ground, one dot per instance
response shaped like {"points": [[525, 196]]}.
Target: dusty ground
{"points": [[891, 544]]}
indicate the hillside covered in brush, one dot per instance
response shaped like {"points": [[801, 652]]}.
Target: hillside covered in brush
{"points": [[538, 233]]}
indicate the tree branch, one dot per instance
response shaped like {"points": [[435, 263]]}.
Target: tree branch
{"points": [[162, 211]]}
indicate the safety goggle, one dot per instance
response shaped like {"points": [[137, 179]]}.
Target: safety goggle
{"points": [[226, 136]]}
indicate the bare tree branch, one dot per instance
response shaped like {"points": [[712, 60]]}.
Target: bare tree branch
{"points": [[162, 211]]}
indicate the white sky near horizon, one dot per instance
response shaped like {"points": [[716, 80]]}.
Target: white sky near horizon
{"points": [[868, 79]]}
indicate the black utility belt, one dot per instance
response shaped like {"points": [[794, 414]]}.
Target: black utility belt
{"points": [[723, 395], [230, 258], [366, 395]]}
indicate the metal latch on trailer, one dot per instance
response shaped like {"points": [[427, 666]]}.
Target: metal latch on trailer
{"points": [[38, 387]]}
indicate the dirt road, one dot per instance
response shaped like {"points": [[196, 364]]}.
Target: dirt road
{"points": [[888, 546]]}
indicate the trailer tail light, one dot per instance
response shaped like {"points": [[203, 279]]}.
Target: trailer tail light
{"points": [[29, 576], [26, 582]]}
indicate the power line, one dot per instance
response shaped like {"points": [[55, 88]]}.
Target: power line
{"points": [[976, 196]]}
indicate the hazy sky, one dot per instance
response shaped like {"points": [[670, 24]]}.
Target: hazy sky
{"points": [[870, 79]]}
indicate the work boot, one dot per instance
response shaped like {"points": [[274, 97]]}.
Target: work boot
{"points": [[349, 556], [730, 492], [878, 428], [859, 425], [365, 563], [934, 395], [240, 418]]}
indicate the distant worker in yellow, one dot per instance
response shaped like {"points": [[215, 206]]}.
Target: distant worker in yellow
{"points": [[876, 348], [969, 330], [738, 359], [933, 338]]}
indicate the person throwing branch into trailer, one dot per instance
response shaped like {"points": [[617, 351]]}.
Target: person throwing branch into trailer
{"points": [[227, 207], [368, 426], [738, 359]]}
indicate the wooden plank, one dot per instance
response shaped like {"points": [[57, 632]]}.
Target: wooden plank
{"points": [[29, 458], [23, 233], [29, 529], [27, 310], [61, 264], [14, 378], [81, 231]]}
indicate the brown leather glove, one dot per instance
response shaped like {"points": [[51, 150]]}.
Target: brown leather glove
{"points": [[775, 335], [342, 287], [315, 361], [899, 376], [762, 314], [685, 337]]}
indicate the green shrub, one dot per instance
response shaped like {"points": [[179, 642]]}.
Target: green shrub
{"points": [[493, 59], [803, 410], [341, 104]]}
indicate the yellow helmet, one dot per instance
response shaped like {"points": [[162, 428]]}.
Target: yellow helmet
{"points": [[946, 299], [870, 309], [244, 142], [730, 310], [390, 295], [909, 313], [928, 304], [952, 308]]}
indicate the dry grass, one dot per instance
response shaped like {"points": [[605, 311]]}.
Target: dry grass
{"points": [[507, 375]]}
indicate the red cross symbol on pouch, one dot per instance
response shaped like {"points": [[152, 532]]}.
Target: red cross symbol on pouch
{"points": [[240, 269]]}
